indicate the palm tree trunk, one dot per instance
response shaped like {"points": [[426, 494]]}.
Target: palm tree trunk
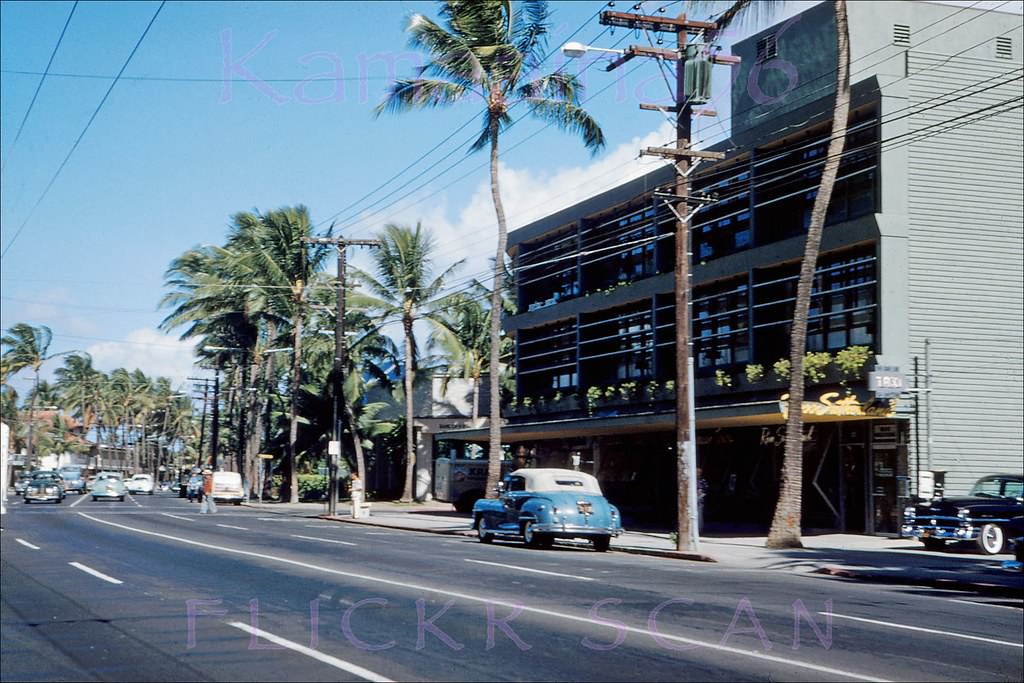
{"points": [[293, 390], [476, 398], [410, 427], [32, 419], [494, 380], [785, 529]]}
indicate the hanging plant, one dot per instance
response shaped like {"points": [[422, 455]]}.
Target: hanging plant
{"points": [[593, 396], [723, 378], [755, 372], [851, 361], [781, 369], [816, 365]]}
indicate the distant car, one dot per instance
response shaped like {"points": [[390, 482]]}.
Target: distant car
{"points": [[73, 478], [45, 486], [89, 482], [540, 505], [22, 482], [194, 488], [227, 488], [140, 483], [108, 485], [986, 515]]}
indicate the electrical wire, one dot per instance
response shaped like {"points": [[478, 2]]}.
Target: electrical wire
{"points": [[84, 130]]}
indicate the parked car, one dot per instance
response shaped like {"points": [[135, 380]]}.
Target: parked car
{"points": [[89, 482], [227, 488], [74, 479], [985, 515], [540, 505], [108, 485], [140, 483], [45, 486]]}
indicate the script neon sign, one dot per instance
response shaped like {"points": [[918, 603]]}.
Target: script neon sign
{"points": [[833, 404]]}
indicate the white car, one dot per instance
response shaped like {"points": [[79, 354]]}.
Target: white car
{"points": [[140, 483]]}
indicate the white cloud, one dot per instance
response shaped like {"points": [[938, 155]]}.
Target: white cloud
{"points": [[154, 353]]}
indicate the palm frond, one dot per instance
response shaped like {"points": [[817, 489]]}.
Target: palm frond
{"points": [[404, 95], [569, 117]]}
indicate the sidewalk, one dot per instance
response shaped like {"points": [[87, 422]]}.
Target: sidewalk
{"points": [[863, 558]]}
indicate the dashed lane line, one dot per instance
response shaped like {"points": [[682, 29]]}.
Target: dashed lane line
{"points": [[98, 575], [529, 569], [27, 544], [951, 634], [323, 540]]}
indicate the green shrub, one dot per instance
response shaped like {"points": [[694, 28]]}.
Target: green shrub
{"points": [[312, 487], [755, 372], [851, 361], [781, 368], [816, 365], [723, 378]]}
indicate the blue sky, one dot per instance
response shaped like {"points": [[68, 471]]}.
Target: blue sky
{"points": [[198, 129]]}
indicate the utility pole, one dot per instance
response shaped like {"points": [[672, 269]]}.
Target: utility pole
{"points": [[340, 360], [202, 425], [685, 443], [215, 426]]}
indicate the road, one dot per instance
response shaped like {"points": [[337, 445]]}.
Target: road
{"points": [[148, 589]]}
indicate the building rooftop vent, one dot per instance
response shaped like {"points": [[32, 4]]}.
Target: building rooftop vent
{"points": [[1004, 47], [901, 35], [767, 48]]}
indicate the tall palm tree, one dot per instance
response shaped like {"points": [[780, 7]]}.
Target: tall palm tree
{"points": [[786, 522], [406, 289], [272, 252], [491, 49], [77, 383], [26, 346]]}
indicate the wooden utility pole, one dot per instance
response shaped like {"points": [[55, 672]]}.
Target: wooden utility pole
{"points": [[340, 361], [685, 444]]}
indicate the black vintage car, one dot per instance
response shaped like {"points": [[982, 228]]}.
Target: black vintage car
{"points": [[989, 515]]}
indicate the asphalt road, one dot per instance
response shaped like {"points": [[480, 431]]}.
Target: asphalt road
{"points": [[149, 589]]}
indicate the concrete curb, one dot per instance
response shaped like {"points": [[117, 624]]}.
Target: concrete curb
{"points": [[980, 587], [633, 550]]}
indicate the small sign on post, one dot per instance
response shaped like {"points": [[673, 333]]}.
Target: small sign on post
{"points": [[886, 382]]}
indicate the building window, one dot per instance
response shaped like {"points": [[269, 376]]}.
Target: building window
{"points": [[843, 310], [546, 271], [619, 250], [617, 344], [721, 337], [547, 359], [767, 48]]}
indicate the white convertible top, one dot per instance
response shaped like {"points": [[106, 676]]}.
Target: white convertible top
{"points": [[551, 479]]}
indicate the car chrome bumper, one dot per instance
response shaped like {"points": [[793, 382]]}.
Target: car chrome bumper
{"points": [[945, 533], [576, 530]]}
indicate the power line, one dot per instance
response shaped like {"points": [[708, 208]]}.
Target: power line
{"points": [[39, 86], [84, 130]]}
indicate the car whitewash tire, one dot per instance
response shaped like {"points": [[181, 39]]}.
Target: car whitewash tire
{"points": [[481, 531], [991, 539]]}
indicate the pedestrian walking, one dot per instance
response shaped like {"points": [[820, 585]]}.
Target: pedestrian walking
{"points": [[208, 506]]}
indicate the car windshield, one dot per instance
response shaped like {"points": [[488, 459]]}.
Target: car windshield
{"points": [[140, 477], [998, 487]]}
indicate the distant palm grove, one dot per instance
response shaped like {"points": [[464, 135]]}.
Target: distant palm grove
{"points": [[261, 310]]}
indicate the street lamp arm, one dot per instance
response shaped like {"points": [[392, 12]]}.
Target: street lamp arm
{"points": [[574, 50]]}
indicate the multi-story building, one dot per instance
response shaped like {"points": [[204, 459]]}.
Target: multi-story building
{"points": [[920, 272]]}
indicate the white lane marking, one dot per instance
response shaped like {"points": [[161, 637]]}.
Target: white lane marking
{"points": [[98, 575], [379, 533], [528, 569], [168, 514], [1016, 606], [228, 526], [951, 634], [80, 499], [711, 645], [27, 544], [351, 668], [324, 540]]}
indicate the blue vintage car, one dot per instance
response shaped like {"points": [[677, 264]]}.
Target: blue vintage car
{"points": [[540, 505]]}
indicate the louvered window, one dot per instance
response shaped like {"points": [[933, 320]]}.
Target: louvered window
{"points": [[1004, 47], [901, 35], [767, 48]]}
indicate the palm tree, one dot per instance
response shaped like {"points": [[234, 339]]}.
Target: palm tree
{"points": [[26, 346], [405, 289], [77, 382], [272, 253], [785, 528], [491, 49]]}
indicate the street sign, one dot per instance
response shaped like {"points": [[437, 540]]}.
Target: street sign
{"points": [[886, 382], [333, 448], [266, 456]]}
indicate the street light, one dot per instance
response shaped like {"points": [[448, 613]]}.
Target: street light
{"points": [[574, 50]]}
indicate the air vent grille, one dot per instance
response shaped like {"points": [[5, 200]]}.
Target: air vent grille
{"points": [[901, 35], [767, 48], [1004, 47]]}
